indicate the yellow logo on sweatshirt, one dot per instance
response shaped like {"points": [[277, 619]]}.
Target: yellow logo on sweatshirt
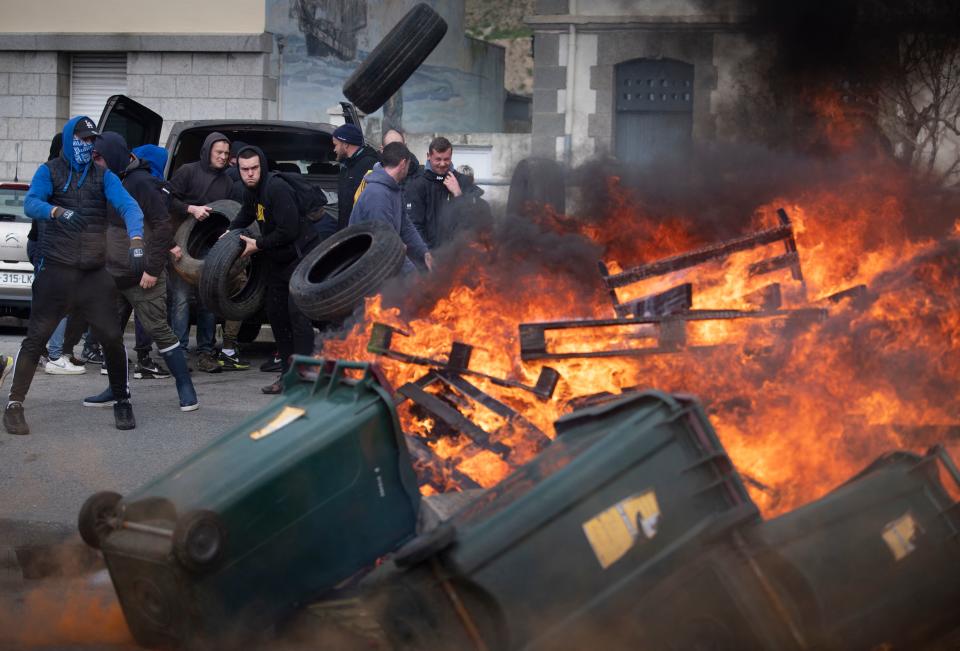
{"points": [[260, 217]]}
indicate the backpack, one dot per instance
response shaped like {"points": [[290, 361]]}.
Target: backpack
{"points": [[311, 198]]}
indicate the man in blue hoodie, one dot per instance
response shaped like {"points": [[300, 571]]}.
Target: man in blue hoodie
{"points": [[381, 201], [70, 195]]}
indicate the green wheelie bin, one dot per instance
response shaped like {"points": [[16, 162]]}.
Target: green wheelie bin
{"points": [[629, 491], [285, 506], [874, 564]]}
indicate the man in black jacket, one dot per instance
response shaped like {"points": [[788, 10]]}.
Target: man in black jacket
{"points": [[196, 185], [356, 159], [439, 197], [285, 237], [70, 195], [146, 293]]}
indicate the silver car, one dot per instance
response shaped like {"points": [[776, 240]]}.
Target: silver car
{"points": [[16, 272]]}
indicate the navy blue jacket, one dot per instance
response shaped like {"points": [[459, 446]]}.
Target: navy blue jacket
{"points": [[381, 200]]}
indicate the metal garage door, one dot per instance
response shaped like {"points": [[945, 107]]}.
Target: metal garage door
{"points": [[654, 110], [93, 79]]}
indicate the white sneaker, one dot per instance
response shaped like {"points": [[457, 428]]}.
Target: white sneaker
{"points": [[62, 366]]}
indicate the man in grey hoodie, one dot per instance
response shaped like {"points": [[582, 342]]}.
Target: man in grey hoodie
{"points": [[381, 201]]}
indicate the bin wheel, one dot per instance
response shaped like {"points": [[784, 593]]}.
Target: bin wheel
{"points": [[199, 541], [95, 515]]}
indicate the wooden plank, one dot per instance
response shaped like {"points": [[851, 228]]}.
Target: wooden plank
{"points": [[439, 409], [699, 256]]}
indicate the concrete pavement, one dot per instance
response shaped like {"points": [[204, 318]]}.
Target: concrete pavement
{"points": [[53, 592]]}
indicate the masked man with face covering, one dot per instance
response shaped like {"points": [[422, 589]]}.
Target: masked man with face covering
{"points": [[194, 186], [285, 237], [146, 293], [71, 195]]}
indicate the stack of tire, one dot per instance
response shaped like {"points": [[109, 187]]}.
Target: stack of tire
{"points": [[230, 287]]}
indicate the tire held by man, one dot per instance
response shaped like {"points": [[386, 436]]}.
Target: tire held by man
{"points": [[196, 238], [341, 271], [232, 288]]}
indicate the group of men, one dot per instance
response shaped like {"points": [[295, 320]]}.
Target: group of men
{"points": [[105, 248]]}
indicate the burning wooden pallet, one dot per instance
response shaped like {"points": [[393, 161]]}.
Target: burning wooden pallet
{"points": [[456, 390], [670, 331]]}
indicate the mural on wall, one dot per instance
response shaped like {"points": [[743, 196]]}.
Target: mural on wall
{"points": [[330, 26], [458, 89]]}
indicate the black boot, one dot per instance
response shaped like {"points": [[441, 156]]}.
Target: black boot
{"points": [[177, 363], [123, 415]]}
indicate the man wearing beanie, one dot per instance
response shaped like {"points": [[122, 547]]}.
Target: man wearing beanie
{"points": [[356, 159]]}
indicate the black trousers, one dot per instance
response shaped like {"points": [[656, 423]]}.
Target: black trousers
{"points": [[90, 294], [292, 330]]}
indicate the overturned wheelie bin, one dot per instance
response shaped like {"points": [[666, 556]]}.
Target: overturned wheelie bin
{"points": [[290, 503], [629, 492]]}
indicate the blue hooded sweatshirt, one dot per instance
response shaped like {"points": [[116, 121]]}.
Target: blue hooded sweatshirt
{"points": [[381, 201], [37, 206], [156, 156]]}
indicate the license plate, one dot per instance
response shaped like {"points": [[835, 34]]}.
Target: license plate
{"points": [[16, 278]]}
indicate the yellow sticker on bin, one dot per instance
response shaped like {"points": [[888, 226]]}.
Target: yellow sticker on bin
{"points": [[286, 416], [899, 536], [612, 532]]}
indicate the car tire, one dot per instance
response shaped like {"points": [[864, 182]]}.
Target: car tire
{"points": [[199, 541], [339, 272], [395, 58], [536, 183], [93, 520], [195, 238], [229, 287]]}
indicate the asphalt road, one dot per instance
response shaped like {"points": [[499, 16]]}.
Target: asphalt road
{"points": [[74, 451]]}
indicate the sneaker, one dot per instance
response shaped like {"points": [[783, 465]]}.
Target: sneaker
{"points": [[272, 365], [76, 361], [92, 355], [148, 369], [123, 415], [208, 363], [102, 399], [62, 366], [103, 370], [276, 387], [232, 362], [13, 419], [6, 365], [42, 362]]}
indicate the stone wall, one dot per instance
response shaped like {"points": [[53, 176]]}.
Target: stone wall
{"points": [[203, 86], [34, 100]]}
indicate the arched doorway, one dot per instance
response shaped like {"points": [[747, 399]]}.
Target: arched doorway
{"points": [[654, 110]]}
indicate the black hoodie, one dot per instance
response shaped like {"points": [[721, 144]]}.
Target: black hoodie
{"points": [[352, 171], [198, 184], [285, 234], [150, 193]]}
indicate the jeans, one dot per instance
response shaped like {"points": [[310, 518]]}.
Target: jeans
{"points": [[55, 345], [178, 298]]}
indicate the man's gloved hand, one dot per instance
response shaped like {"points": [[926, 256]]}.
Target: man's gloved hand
{"points": [[70, 220], [136, 257]]}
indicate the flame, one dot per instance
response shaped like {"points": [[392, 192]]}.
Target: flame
{"points": [[799, 407]]}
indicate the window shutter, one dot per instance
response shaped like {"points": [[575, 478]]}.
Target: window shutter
{"points": [[93, 79]]}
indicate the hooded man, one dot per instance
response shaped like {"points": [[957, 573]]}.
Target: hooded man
{"points": [[146, 292], [381, 201], [156, 157], [285, 237], [71, 195], [356, 159], [194, 186]]}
